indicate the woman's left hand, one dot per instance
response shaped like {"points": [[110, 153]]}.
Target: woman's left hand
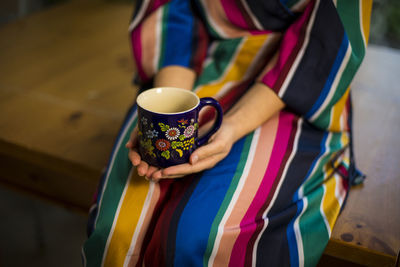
{"points": [[203, 158]]}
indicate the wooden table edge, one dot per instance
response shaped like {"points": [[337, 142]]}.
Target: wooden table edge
{"points": [[359, 254]]}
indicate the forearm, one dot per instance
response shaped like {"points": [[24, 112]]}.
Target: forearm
{"points": [[258, 105], [175, 76]]}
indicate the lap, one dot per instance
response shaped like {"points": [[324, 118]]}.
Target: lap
{"points": [[255, 205]]}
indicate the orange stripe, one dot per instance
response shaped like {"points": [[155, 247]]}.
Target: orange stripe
{"points": [[260, 162]]}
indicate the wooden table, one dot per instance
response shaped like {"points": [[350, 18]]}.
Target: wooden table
{"points": [[65, 78]]}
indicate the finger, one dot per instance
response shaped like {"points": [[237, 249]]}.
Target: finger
{"points": [[142, 168], [185, 169], [151, 170], [134, 156], [132, 139], [213, 148], [155, 176]]}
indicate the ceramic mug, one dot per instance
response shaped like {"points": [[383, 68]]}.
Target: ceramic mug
{"points": [[168, 125]]}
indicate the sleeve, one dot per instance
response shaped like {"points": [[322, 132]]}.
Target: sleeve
{"points": [[319, 55], [165, 33]]}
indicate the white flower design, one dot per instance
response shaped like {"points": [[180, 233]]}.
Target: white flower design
{"points": [[172, 133], [189, 131], [144, 120], [151, 134]]}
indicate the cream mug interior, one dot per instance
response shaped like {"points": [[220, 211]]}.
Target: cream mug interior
{"points": [[168, 100]]}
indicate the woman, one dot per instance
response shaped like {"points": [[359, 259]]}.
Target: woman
{"points": [[267, 188]]}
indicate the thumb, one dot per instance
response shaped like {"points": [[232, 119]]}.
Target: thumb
{"points": [[132, 139]]}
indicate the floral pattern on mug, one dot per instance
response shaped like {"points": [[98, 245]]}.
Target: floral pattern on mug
{"points": [[172, 133], [175, 140]]}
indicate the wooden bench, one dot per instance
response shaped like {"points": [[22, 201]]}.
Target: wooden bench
{"points": [[65, 86]]}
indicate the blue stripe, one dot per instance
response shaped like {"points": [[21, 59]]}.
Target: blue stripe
{"points": [[322, 151], [331, 77], [179, 35], [291, 237], [197, 218]]}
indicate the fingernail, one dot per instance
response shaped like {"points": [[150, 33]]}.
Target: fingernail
{"points": [[195, 158], [128, 144]]}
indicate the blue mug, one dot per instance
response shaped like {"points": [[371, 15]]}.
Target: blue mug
{"points": [[168, 125]]}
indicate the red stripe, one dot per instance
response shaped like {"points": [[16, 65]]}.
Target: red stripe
{"points": [[137, 52], [249, 251], [277, 75], [154, 250], [251, 219], [234, 14], [200, 47]]}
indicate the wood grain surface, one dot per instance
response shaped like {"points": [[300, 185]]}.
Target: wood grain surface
{"points": [[65, 85], [370, 223]]}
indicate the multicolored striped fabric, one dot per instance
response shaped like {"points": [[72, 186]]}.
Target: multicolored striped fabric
{"points": [[274, 199]]}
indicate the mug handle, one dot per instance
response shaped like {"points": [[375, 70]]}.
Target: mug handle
{"points": [[208, 101]]}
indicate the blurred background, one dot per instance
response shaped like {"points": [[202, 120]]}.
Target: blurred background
{"points": [[35, 232], [385, 27]]}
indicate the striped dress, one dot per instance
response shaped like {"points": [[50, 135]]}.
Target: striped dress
{"points": [[274, 200]]}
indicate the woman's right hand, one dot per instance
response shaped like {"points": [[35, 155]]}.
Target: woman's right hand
{"points": [[143, 168]]}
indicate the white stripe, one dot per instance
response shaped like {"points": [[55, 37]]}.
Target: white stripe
{"points": [[157, 38], [128, 124], [340, 192], [228, 67], [301, 52], [297, 231], [321, 208], [139, 16], [145, 209], [361, 25], [334, 85], [111, 165], [211, 50], [253, 18], [121, 200], [238, 190], [251, 69], [276, 193], [327, 151], [83, 257], [212, 23]]}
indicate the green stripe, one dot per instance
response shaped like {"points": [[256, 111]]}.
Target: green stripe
{"points": [[316, 179], [312, 228], [349, 12], [210, 29], [222, 56], [312, 217], [163, 36], [94, 247], [228, 197]]}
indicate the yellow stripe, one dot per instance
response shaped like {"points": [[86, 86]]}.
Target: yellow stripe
{"points": [[330, 204], [238, 67], [127, 220], [337, 111], [344, 139], [366, 7]]}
